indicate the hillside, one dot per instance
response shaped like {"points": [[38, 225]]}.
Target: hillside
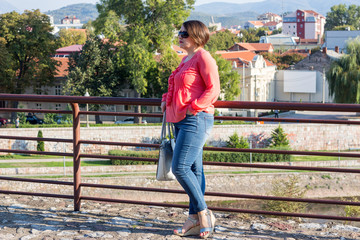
{"points": [[5, 7], [83, 11], [275, 6]]}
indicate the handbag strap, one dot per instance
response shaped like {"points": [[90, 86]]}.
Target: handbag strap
{"points": [[163, 128], [170, 129]]}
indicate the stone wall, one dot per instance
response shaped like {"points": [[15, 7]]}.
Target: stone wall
{"points": [[301, 136]]}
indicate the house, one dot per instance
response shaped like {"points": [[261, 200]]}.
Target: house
{"points": [[253, 24], [280, 41], [305, 24], [273, 25], [270, 17], [336, 40], [70, 20], [255, 47], [66, 51], [305, 81], [257, 75]]}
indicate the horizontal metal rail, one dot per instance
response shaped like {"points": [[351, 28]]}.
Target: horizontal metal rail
{"points": [[74, 101], [220, 194], [286, 214]]}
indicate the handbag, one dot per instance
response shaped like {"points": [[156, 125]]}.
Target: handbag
{"points": [[163, 171]]}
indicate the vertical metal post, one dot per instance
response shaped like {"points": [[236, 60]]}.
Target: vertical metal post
{"points": [[76, 157]]}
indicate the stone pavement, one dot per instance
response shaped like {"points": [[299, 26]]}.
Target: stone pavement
{"points": [[38, 218]]}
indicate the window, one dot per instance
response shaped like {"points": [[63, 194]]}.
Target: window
{"points": [[301, 26], [38, 90], [57, 106], [289, 26], [38, 106], [57, 90]]}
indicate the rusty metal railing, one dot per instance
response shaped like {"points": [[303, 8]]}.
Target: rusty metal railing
{"points": [[77, 155]]}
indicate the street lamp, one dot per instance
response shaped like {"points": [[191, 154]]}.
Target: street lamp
{"points": [[87, 108]]}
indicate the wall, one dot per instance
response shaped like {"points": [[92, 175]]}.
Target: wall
{"points": [[301, 136]]}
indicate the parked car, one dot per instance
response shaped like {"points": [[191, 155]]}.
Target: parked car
{"points": [[3, 121], [129, 120], [32, 119]]}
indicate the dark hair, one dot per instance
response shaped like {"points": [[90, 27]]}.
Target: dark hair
{"points": [[197, 31]]}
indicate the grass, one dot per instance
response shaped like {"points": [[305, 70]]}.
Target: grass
{"points": [[306, 158], [53, 164]]}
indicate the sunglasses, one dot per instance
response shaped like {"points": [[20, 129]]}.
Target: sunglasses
{"points": [[183, 34]]}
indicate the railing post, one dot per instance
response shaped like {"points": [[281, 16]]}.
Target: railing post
{"points": [[76, 157]]}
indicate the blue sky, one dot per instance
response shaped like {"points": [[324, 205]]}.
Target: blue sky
{"points": [[45, 5]]}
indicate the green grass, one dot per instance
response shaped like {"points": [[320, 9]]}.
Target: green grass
{"points": [[53, 164], [298, 158], [19, 156]]}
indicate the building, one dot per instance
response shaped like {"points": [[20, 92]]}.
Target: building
{"points": [[270, 17], [305, 81], [257, 75], [254, 47], [336, 40], [70, 20], [305, 24], [273, 25], [253, 24]]}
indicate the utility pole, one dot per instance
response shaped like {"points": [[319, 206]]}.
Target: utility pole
{"points": [[323, 86]]}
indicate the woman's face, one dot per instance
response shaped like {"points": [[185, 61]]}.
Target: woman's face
{"points": [[185, 43]]}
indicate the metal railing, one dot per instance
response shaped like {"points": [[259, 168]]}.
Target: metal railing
{"points": [[77, 155]]}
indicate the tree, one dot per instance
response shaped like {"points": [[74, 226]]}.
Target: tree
{"points": [[68, 37], [221, 40], [237, 142], [340, 16], [344, 75], [40, 147], [94, 70], [29, 45], [279, 138], [150, 26], [229, 79]]}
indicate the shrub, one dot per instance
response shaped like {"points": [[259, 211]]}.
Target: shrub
{"points": [[350, 210], [40, 144], [236, 142], [279, 138], [290, 189], [209, 156]]}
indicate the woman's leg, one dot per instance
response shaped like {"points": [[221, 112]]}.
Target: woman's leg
{"points": [[191, 135]]}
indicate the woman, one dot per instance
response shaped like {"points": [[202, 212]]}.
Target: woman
{"points": [[193, 89]]}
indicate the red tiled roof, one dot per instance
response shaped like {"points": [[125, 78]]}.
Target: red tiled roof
{"points": [[302, 52], [271, 24], [240, 56], [255, 46], [62, 70], [70, 49], [257, 23]]}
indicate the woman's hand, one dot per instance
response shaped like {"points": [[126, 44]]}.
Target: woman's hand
{"points": [[163, 106]]}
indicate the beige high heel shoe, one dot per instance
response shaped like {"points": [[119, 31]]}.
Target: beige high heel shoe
{"points": [[194, 230], [211, 220]]}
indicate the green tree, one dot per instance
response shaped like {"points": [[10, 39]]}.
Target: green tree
{"points": [[222, 40], [40, 144], [68, 37], [279, 138], [237, 142], [344, 75], [229, 79], [150, 26], [252, 35], [339, 16], [29, 44], [94, 70]]}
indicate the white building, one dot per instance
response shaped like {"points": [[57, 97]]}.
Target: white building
{"points": [[337, 40], [306, 24]]}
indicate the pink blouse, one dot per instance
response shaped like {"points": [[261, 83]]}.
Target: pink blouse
{"points": [[194, 85]]}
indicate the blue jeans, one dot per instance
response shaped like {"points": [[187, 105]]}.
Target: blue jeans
{"points": [[191, 134]]}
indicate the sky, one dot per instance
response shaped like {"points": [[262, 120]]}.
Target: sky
{"points": [[45, 5]]}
